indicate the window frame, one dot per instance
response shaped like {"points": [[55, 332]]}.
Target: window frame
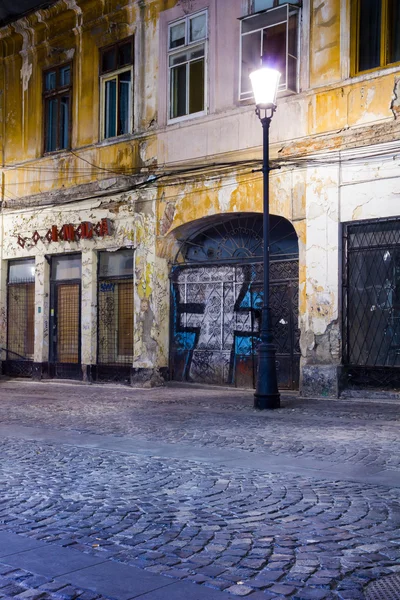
{"points": [[57, 93], [109, 75], [187, 47], [355, 40], [291, 8]]}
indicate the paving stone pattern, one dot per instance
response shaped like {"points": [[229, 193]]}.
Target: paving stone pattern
{"points": [[21, 584], [254, 534], [348, 431]]}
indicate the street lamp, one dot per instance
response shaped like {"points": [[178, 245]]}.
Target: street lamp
{"points": [[265, 86]]}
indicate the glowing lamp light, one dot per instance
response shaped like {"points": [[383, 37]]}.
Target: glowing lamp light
{"points": [[265, 83]]}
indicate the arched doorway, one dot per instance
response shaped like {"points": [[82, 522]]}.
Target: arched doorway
{"points": [[216, 299]]}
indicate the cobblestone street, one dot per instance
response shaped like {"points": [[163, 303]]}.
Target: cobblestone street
{"points": [[195, 485]]}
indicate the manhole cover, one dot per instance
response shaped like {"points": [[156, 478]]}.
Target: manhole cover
{"points": [[386, 588]]}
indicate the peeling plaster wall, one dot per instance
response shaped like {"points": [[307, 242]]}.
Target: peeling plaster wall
{"points": [[133, 221]]}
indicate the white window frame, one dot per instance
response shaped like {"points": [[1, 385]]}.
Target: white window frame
{"points": [[188, 46], [103, 80], [291, 8]]}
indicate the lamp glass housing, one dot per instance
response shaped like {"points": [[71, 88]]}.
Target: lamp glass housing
{"points": [[265, 83]]}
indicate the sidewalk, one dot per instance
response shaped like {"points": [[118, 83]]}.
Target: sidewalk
{"points": [[69, 571]]}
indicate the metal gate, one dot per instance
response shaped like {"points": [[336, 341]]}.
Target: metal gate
{"points": [[371, 316], [216, 320]]}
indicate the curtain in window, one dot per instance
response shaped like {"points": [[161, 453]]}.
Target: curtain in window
{"points": [[369, 34], [124, 102], [110, 115], [51, 123]]}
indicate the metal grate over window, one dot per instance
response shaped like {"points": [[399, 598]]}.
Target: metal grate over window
{"points": [[115, 308], [21, 310], [372, 294]]}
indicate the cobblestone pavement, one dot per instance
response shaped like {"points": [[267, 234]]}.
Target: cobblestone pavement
{"points": [[251, 533], [21, 584], [349, 431]]}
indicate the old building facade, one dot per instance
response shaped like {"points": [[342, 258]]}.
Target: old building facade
{"points": [[131, 233]]}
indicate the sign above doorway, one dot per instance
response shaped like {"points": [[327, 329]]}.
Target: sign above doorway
{"points": [[70, 233]]}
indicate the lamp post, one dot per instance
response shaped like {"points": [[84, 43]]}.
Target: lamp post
{"points": [[265, 86]]}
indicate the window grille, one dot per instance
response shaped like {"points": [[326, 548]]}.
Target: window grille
{"points": [[115, 308], [21, 310]]}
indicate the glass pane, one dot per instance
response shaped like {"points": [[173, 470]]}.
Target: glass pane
{"points": [[50, 80], [369, 42], [196, 86], [65, 267], [21, 271], [178, 59], [394, 34], [124, 103], [263, 4], [251, 59], [65, 76], [197, 53], [109, 60], [272, 17], [292, 74], [292, 35], [64, 122], [110, 111], [274, 50], [116, 264], [125, 54], [178, 91], [198, 28], [51, 124], [177, 35]]}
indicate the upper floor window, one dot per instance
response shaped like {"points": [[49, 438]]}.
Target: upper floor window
{"points": [[187, 55], [377, 34], [57, 88], [270, 38], [116, 76]]}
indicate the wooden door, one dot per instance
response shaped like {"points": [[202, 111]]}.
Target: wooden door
{"points": [[68, 322]]}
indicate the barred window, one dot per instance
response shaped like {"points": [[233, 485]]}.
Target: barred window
{"points": [[21, 309], [115, 307]]}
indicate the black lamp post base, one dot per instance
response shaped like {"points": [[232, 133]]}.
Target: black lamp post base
{"points": [[267, 401], [266, 394]]}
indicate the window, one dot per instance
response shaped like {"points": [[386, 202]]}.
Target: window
{"points": [[21, 309], [115, 306], [187, 63], [376, 24], [270, 38], [116, 76], [57, 84]]}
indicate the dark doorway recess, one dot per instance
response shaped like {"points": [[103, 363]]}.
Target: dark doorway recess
{"points": [[216, 299]]}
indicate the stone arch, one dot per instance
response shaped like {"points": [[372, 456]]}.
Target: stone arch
{"points": [[217, 294]]}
